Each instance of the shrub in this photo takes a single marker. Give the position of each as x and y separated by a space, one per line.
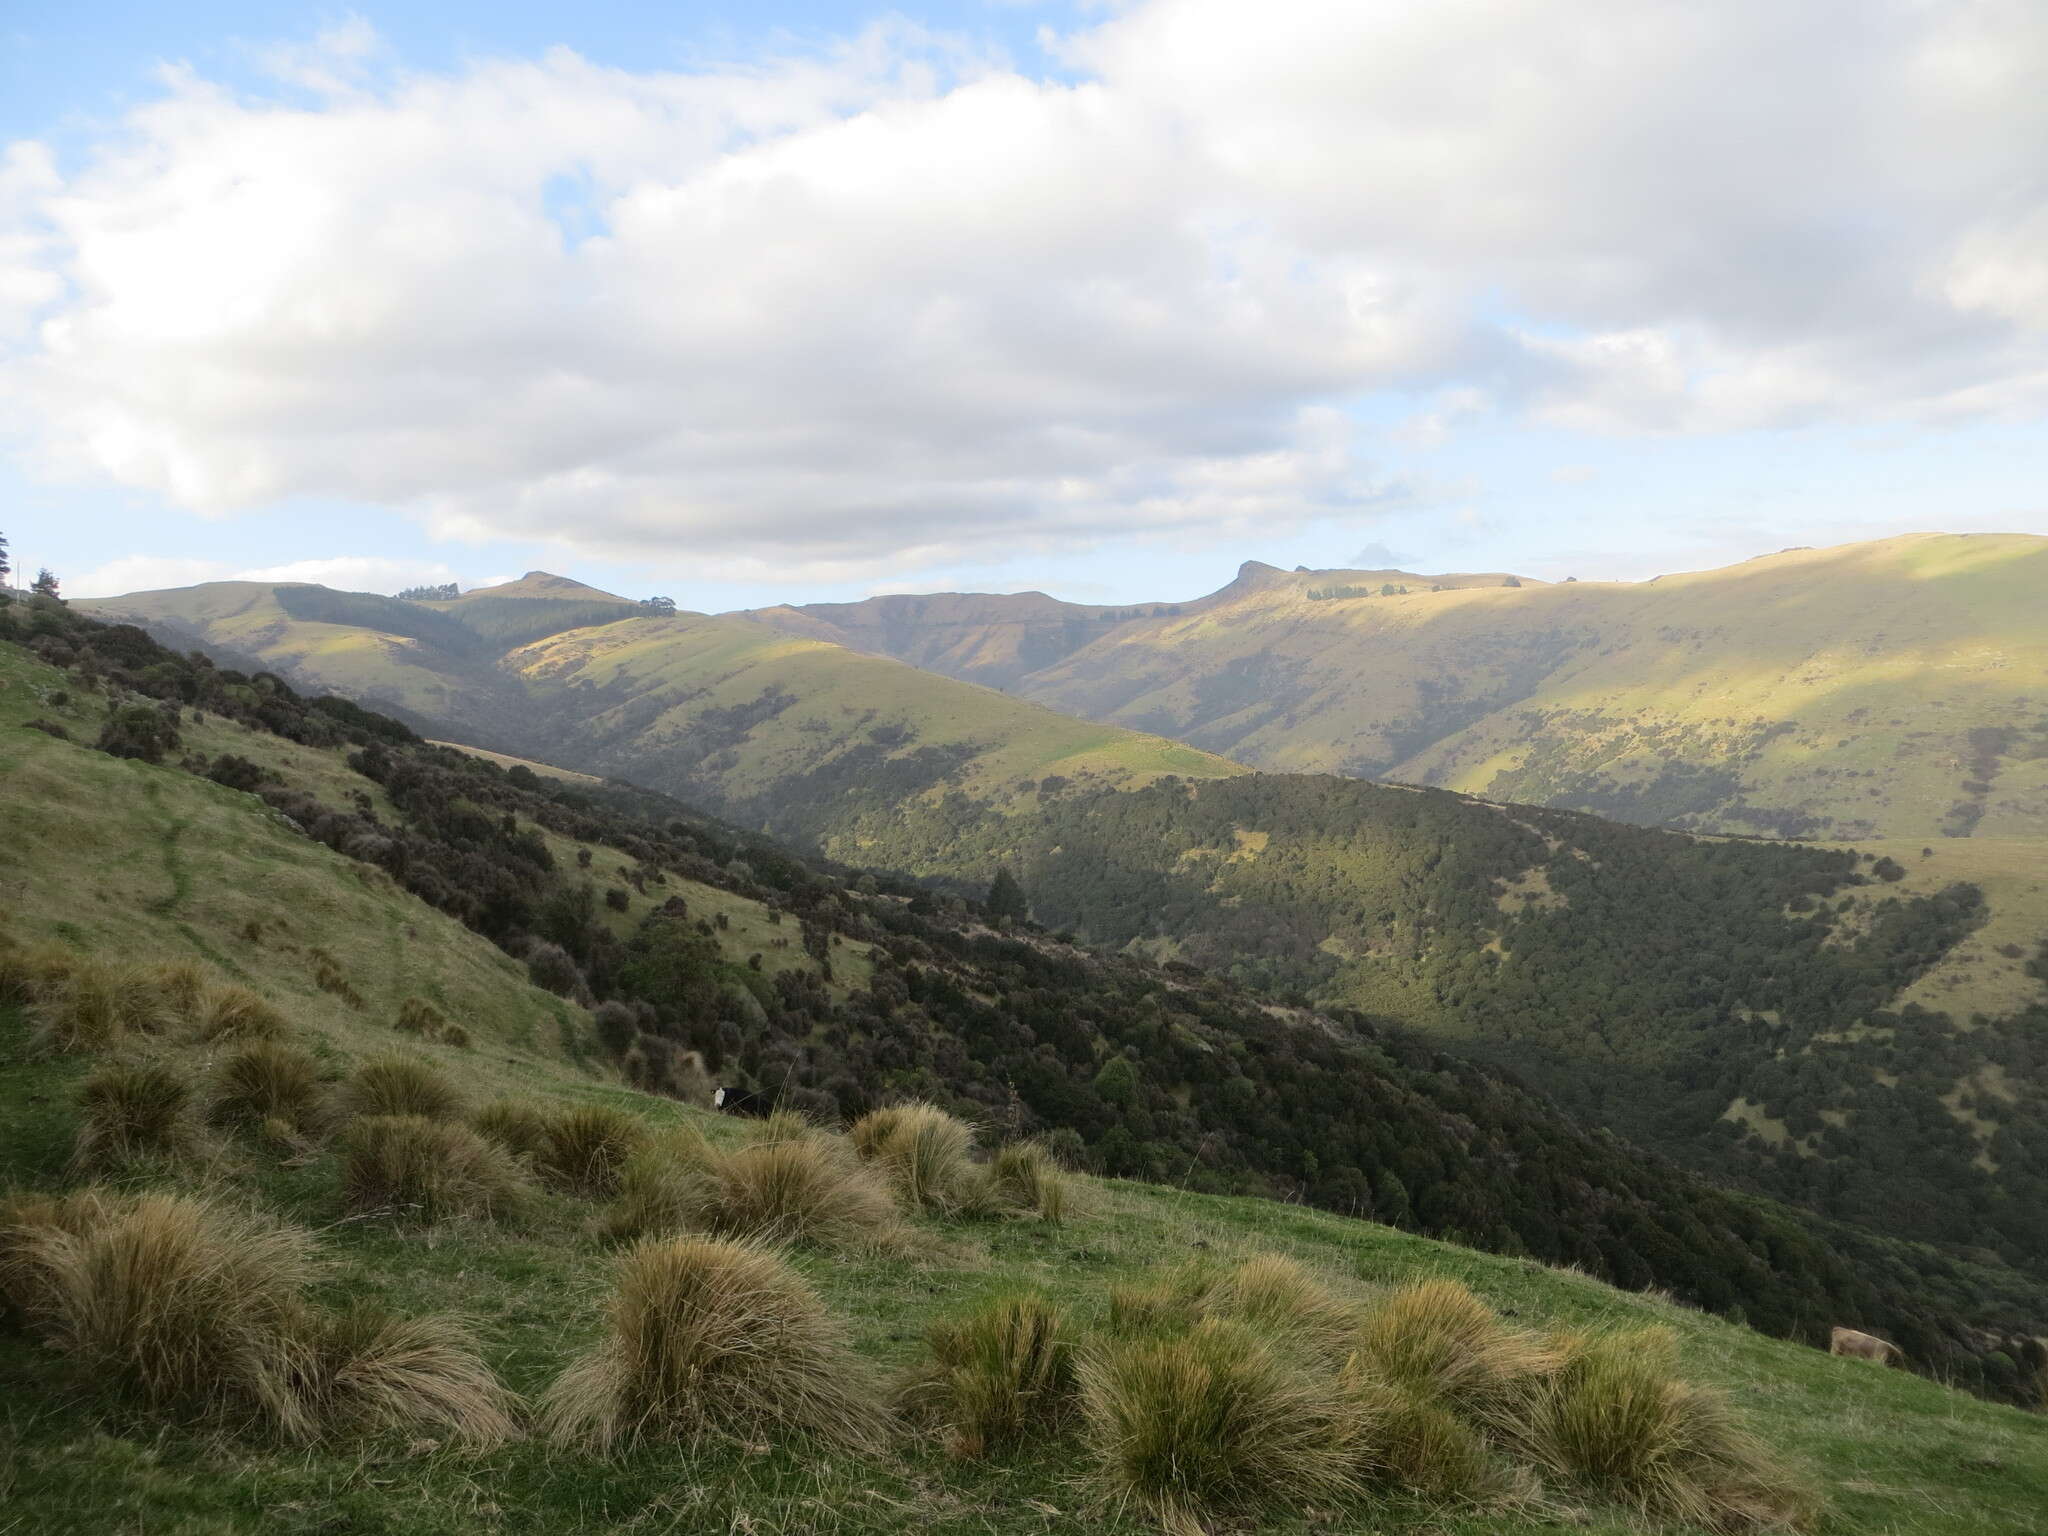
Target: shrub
1214 1421
1616 1419
403 1085
710 1336
617 1025
998 1376
586 1147
923 1150
1436 1339
520 1126
1027 1178
658 1186
267 1081
549 967
129 1110
184 1302
96 1005
416 1169
235 1013
801 1189
367 1370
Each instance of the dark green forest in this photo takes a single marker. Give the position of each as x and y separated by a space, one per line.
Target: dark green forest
1173 1072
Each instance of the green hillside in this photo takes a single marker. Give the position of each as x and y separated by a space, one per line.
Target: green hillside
1896 689
121 863
804 738
712 951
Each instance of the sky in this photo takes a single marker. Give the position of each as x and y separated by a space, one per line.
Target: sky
749 303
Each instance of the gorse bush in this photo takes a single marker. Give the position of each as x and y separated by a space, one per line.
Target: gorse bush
415 1169
584 1149
997 1377
708 1336
1215 1421
129 1110
267 1081
403 1085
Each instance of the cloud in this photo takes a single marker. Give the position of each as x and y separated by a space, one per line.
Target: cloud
895 304
1379 557
150 573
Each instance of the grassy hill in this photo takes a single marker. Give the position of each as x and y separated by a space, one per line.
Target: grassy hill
128 863
714 951
807 739
1896 689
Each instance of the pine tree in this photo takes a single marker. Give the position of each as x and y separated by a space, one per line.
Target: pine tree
1006 897
5 567
46 584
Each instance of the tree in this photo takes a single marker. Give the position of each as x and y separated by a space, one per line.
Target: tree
46 584
1006 897
5 567
1512 581
660 607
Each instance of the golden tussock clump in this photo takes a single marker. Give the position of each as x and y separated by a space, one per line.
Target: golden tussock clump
403 1085
130 1110
710 1336
997 1377
414 1169
267 1081
96 1005
235 1013
584 1149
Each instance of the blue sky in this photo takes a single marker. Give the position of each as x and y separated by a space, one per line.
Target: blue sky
750 304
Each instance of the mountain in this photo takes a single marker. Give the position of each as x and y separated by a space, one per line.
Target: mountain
357 877
800 736
1896 689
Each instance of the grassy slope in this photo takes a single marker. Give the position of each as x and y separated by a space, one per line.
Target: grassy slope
658 680
152 863
1882 657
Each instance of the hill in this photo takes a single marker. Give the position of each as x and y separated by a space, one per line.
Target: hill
838 996
1885 690
124 862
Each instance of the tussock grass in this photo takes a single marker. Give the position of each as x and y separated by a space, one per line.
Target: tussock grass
1410 1442
802 1189
367 1370
584 1149
1027 1177
709 1336
520 1126
186 1303
235 1013
925 1153
1170 1304
403 1085
1436 1339
1617 1420
1214 1422
415 1169
267 1081
998 1377
181 983
25 1217
417 1016
29 973
97 1005
130 1110
658 1187
1287 1300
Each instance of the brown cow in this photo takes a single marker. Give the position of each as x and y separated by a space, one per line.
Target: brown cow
1863 1346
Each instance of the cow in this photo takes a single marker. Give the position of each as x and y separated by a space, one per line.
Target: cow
743 1101
1863 1346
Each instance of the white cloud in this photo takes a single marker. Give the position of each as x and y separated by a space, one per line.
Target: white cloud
899 305
150 573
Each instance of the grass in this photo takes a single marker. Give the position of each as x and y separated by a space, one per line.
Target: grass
402 1085
708 1336
585 1148
129 1110
268 1081
803 1188
413 1169
998 1377
924 1152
